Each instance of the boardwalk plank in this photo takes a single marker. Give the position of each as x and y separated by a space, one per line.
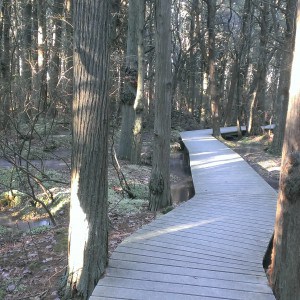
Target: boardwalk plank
210 247
188 280
181 256
204 290
169 261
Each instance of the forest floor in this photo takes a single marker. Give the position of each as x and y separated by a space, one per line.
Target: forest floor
33 257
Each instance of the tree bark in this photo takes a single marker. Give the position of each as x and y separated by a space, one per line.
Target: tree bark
135 155
257 98
69 54
55 65
245 45
214 101
159 185
88 229
27 60
285 76
231 93
5 66
39 82
285 266
130 84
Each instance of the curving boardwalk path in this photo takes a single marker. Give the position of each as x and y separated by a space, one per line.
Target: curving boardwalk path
210 247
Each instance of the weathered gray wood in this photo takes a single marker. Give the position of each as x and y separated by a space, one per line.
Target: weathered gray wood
185 289
210 247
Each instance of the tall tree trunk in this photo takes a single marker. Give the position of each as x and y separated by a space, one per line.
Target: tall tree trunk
39 80
55 66
138 107
130 85
88 229
193 61
243 61
5 66
214 101
285 265
257 99
232 92
285 76
159 185
43 54
69 51
27 59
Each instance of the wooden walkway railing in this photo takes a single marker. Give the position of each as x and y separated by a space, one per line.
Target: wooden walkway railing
210 247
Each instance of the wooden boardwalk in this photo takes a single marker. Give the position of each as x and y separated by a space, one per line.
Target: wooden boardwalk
210 247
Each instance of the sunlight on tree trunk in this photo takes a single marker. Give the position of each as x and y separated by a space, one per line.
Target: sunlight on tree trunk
139 104
285 265
88 213
130 84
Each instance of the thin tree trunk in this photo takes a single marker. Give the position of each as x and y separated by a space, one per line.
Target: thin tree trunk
139 102
193 61
27 60
55 66
5 66
257 99
214 101
231 93
243 62
69 52
43 54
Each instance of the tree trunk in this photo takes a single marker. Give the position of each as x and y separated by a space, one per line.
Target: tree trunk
130 84
231 93
214 101
69 54
159 185
27 60
285 265
43 53
285 77
193 59
5 66
55 65
243 61
88 236
135 156
257 103
39 82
